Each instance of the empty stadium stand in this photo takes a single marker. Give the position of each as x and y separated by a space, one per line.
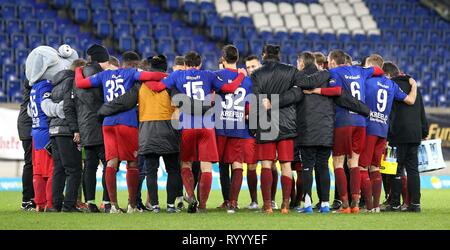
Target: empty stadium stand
403 31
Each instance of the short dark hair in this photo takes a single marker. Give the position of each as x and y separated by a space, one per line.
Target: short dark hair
391 69
271 52
158 63
179 61
192 59
307 58
251 57
338 56
230 54
130 56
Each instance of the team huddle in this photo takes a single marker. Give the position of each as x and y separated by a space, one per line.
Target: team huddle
192 118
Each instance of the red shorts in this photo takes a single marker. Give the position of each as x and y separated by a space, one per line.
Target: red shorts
348 139
199 145
42 162
371 154
120 142
282 150
233 149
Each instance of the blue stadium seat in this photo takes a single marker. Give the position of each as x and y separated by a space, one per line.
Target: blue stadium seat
195 18
123 29
126 44
13 26
207 6
146 45
165 44
233 32
48 26
242 45
104 29
70 40
184 45
162 30
18 40
26 11
101 14
190 6
9 71
82 14
120 15
256 45
172 4
217 32
6 56
60 3
35 40
53 40
140 15
142 29
9 11
21 55
31 26
95 4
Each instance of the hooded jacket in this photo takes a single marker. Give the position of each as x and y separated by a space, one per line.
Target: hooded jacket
62 88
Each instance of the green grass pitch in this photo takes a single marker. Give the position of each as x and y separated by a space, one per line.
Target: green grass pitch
435 215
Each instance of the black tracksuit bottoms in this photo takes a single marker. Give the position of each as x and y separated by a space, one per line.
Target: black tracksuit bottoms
316 157
94 155
66 171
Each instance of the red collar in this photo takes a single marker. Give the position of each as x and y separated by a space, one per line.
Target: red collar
234 70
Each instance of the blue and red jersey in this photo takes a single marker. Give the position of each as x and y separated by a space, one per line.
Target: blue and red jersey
230 113
39 130
380 95
197 84
351 79
115 83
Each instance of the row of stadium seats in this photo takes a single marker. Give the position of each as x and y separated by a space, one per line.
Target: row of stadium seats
141 26
420 48
24 25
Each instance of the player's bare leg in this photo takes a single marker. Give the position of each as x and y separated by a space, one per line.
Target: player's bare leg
252 182
341 182
111 183
204 184
236 183
286 185
132 184
188 183
355 181
376 182
266 185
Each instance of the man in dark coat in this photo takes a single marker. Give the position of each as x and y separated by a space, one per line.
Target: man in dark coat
275 137
24 129
87 103
408 127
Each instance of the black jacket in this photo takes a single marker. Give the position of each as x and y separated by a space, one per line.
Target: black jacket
24 121
62 89
87 103
408 123
316 113
277 78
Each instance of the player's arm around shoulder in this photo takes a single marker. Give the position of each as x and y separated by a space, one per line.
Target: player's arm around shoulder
411 98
